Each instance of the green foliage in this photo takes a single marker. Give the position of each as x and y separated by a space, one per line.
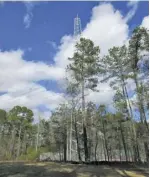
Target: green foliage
32 154
139 42
3 116
85 63
8 156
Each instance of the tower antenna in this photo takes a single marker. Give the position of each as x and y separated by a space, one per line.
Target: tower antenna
77 26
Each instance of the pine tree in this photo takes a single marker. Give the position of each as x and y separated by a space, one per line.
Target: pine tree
84 68
138 45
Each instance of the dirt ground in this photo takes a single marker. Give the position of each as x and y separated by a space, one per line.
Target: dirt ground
50 169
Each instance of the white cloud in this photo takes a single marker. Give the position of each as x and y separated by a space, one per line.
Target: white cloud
107 28
18 70
104 96
29 15
35 96
131 13
30 95
41 115
65 50
145 22
130 85
17 79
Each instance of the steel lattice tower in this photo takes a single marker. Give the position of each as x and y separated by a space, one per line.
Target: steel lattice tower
73 155
77 26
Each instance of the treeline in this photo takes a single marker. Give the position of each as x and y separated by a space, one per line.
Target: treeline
79 130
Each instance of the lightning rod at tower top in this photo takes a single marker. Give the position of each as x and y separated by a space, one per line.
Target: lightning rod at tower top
77 26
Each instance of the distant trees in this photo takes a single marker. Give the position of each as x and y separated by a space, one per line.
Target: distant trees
15 129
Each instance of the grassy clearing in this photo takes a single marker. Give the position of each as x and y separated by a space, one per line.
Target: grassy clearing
50 169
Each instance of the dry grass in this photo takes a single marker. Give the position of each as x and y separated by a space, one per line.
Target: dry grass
50 169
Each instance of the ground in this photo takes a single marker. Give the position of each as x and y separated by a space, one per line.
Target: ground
51 169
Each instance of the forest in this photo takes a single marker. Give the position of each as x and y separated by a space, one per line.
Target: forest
80 130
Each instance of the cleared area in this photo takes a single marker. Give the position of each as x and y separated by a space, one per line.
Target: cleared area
50 169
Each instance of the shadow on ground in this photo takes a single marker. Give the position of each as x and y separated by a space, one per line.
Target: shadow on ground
18 169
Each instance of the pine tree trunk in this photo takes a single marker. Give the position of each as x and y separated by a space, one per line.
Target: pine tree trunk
37 137
70 145
119 141
25 143
105 141
84 125
65 147
96 146
146 151
123 141
104 148
142 114
18 149
1 133
12 142
59 153
77 139
132 128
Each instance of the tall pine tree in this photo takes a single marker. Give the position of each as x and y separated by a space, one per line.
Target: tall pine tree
84 68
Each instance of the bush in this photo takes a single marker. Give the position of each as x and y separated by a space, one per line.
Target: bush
32 154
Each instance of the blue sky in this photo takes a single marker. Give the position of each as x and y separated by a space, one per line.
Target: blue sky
50 21
32 37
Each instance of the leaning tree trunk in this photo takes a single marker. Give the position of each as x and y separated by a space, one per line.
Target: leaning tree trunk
142 115
130 113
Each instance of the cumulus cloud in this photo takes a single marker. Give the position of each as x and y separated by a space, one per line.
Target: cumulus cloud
18 70
18 79
107 28
104 96
31 96
145 22
40 115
